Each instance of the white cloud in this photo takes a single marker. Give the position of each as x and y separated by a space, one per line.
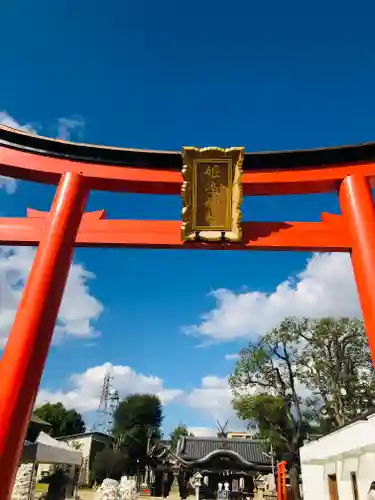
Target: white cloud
231 357
324 288
79 309
69 127
214 398
7 120
7 183
85 388
203 431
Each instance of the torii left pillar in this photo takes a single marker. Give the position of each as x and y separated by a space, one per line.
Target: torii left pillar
25 354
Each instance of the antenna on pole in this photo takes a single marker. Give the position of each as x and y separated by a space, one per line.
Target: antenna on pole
109 400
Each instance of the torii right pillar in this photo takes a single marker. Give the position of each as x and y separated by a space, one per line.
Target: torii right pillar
358 209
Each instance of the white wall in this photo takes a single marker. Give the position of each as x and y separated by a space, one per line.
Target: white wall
85 448
83 442
340 453
312 483
85 445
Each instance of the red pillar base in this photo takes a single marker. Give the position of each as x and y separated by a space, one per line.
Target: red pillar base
22 364
281 481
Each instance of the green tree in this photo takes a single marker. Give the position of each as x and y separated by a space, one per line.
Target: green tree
304 376
63 422
269 416
179 432
137 422
335 363
109 464
265 389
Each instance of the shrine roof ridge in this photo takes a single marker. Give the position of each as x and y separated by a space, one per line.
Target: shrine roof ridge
201 448
172 160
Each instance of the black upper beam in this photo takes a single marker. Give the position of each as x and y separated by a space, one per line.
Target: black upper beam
172 160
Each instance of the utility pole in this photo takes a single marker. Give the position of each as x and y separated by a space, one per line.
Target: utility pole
271 455
147 469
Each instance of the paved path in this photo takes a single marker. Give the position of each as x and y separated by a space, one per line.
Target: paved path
90 495
83 495
87 495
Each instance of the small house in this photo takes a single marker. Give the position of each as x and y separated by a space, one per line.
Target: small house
89 443
340 465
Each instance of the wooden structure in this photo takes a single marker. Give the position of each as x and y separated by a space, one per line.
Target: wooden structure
76 169
216 459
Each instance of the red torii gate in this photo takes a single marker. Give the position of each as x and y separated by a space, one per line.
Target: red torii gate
281 489
77 168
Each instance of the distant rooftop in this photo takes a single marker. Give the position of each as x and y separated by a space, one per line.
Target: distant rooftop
85 434
193 448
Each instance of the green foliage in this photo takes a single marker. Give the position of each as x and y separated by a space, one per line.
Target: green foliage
268 414
304 376
109 464
63 422
335 363
265 388
137 423
179 432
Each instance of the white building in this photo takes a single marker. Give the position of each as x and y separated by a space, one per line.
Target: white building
340 465
89 443
240 435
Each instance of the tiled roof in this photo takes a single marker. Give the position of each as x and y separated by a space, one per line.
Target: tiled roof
36 420
192 448
84 434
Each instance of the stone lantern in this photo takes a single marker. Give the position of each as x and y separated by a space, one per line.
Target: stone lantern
197 483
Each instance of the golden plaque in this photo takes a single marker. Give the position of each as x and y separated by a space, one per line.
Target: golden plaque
212 194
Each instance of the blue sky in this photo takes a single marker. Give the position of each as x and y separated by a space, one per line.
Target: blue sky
160 75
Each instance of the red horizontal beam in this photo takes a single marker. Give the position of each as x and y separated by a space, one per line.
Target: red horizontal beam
35 167
328 235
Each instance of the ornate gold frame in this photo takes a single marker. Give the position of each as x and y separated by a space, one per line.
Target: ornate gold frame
191 158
